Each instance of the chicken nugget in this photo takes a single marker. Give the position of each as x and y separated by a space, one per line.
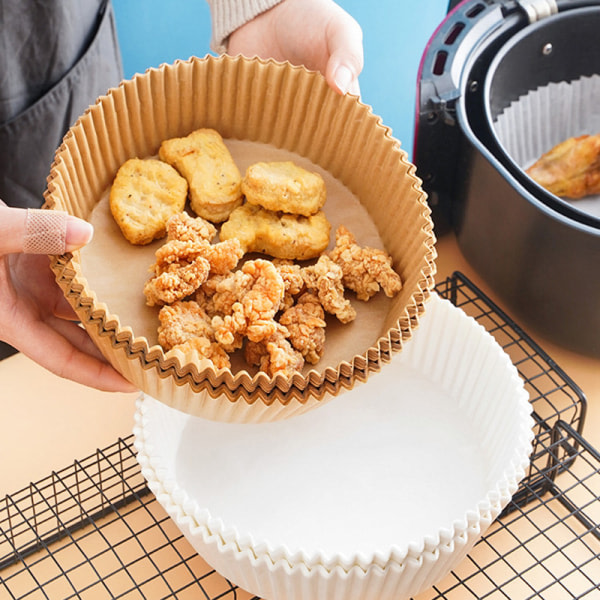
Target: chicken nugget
277 234
144 195
215 182
284 186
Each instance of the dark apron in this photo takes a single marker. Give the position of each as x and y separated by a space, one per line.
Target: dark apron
56 58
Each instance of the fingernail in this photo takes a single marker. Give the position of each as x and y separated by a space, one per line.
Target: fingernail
78 233
343 78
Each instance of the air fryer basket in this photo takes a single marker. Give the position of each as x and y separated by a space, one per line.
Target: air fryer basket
543 54
540 254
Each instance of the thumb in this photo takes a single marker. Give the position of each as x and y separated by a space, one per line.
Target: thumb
344 39
37 231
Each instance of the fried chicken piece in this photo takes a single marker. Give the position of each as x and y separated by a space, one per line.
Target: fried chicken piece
175 253
186 326
259 290
570 169
274 355
324 279
181 267
182 322
206 295
364 269
264 299
186 228
306 326
226 290
230 328
222 257
176 282
207 349
291 274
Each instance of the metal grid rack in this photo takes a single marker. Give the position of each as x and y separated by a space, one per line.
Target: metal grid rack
93 530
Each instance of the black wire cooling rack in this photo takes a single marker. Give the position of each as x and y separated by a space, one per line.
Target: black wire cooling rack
93 530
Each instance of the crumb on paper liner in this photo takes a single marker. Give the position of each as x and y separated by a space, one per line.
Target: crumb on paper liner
134 118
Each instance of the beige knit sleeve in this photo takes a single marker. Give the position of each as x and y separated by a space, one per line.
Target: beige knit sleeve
228 15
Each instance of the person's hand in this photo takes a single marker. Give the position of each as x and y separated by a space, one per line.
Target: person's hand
35 317
318 34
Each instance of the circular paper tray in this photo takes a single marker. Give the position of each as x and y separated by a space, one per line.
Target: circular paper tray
377 495
284 108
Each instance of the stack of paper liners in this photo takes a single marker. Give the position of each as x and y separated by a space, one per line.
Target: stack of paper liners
266 102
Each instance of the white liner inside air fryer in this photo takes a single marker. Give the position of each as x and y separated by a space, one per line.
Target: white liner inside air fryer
414 465
547 116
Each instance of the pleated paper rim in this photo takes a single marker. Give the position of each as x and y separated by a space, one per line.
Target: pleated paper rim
243 386
463 532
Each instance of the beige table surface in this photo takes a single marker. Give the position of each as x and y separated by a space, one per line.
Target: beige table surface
47 422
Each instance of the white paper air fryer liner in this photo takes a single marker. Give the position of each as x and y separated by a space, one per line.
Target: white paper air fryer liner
547 116
377 495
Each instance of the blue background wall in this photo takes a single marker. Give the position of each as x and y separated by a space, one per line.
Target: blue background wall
395 32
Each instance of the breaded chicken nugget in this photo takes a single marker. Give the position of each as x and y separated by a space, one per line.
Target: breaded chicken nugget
284 186
214 180
277 234
144 195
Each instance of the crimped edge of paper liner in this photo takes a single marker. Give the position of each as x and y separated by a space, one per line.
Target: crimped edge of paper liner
224 545
316 384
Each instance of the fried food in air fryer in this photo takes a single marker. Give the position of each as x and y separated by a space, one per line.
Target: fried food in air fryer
570 169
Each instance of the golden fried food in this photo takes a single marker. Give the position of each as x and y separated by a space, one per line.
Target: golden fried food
365 270
571 169
207 349
212 304
305 322
218 294
181 322
277 234
230 329
215 183
284 186
143 196
257 301
324 279
176 281
181 267
274 355
186 228
293 281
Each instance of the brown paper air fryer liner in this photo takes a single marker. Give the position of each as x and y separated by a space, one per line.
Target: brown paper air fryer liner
547 116
264 110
